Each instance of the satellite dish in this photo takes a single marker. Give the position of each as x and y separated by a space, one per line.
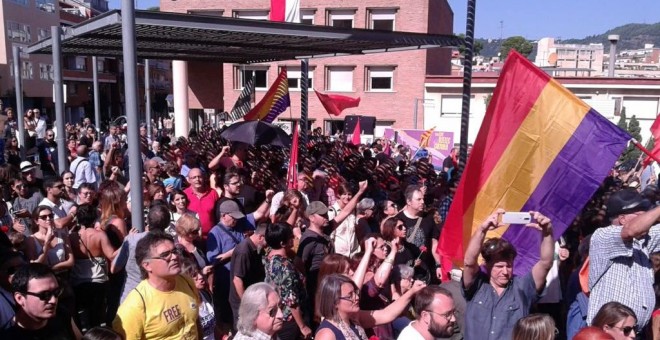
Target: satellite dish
552 59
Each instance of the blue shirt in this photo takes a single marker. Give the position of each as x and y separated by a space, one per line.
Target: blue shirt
489 316
222 239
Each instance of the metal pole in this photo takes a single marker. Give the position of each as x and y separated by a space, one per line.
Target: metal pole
132 116
18 85
147 95
97 100
304 91
55 33
467 83
415 114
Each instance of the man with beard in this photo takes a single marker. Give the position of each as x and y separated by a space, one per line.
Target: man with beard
36 292
246 267
436 315
165 305
65 212
48 155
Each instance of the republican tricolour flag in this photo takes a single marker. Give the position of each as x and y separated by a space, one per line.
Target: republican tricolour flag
539 148
285 10
275 101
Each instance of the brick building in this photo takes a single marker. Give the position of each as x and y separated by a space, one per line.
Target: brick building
390 85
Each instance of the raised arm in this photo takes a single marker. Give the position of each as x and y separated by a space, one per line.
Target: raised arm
640 225
264 208
350 206
470 263
361 270
215 162
547 254
369 319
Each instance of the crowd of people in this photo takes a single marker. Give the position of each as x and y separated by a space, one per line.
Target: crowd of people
230 251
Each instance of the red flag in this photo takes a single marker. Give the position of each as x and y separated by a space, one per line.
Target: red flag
335 104
292 174
356 134
285 10
655 128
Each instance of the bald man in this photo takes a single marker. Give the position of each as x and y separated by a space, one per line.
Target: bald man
82 169
202 199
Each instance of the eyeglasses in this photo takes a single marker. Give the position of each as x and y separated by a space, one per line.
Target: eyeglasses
19 186
447 315
45 296
626 330
353 296
167 255
393 206
46 217
400 226
86 193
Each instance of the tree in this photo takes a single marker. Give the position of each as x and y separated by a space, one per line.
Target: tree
476 47
632 153
517 43
623 124
154 9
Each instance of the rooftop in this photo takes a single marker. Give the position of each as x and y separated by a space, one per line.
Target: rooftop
176 36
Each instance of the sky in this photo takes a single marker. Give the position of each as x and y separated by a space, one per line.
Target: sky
536 19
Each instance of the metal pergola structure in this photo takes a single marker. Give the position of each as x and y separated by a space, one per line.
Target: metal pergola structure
131 34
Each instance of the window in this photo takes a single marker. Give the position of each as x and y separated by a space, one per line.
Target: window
43 34
20 2
18 32
252 15
209 12
451 105
340 78
382 19
100 65
380 78
46 72
294 75
341 18
75 63
46 5
307 16
241 73
26 70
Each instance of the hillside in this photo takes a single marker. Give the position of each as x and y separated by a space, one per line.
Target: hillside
631 36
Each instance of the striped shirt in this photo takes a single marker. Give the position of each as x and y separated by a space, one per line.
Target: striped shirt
621 271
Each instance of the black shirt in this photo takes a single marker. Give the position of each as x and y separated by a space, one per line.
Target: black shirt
246 264
57 328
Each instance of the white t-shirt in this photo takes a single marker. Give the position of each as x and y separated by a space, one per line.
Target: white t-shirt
409 333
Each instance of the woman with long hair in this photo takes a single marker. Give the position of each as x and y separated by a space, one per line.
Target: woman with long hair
406 252
178 207
155 191
92 252
617 320
13 153
337 302
114 214
68 179
535 327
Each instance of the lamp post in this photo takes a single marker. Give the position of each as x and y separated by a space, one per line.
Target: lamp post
467 83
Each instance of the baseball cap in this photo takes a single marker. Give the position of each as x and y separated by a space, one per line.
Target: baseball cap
26 166
626 201
316 207
232 209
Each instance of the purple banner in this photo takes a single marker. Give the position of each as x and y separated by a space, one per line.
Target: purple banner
440 143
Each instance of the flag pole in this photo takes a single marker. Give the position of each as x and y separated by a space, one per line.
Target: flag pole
644 150
467 83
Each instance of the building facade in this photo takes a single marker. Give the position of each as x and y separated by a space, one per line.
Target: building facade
608 96
569 60
390 85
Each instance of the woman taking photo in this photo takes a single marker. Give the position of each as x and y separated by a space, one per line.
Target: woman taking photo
337 301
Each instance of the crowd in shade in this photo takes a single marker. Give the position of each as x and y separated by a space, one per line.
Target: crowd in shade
346 250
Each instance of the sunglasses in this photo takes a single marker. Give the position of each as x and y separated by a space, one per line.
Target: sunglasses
46 217
45 296
626 330
400 226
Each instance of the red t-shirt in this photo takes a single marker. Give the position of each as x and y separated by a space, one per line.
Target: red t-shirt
203 206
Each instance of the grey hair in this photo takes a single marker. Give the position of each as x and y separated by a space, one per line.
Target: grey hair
365 204
254 299
402 271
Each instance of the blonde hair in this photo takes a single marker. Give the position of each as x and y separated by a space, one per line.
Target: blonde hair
186 223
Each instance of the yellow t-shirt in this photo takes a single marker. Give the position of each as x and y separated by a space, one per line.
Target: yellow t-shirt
159 315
